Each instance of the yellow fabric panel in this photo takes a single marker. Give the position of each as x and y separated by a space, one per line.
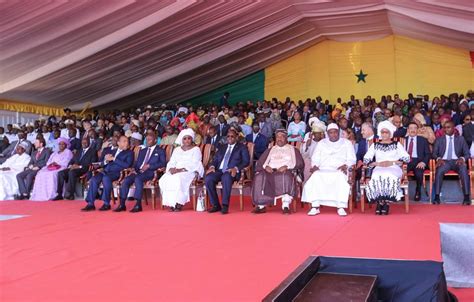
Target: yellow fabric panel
300 76
374 58
393 64
31 108
427 68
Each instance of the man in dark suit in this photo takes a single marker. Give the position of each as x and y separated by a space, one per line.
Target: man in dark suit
265 127
74 142
260 141
222 127
468 129
78 166
227 164
305 114
451 153
213 137
149 160
114 164
39 158
419 151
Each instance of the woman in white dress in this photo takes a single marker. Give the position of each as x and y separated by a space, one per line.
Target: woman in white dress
10 168
384 185
296 129
185 163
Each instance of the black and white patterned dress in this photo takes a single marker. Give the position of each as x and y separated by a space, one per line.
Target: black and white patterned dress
384 184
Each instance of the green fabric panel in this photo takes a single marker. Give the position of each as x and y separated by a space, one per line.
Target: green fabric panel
252 87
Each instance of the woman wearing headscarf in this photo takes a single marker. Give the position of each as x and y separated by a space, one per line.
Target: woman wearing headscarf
384 185
423 129
46 180
182 168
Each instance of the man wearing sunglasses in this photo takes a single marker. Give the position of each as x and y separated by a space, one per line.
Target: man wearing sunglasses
228 162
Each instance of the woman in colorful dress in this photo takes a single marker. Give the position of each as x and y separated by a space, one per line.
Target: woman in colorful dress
46 181
296 129
384 185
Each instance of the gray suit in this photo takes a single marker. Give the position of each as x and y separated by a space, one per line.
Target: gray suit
26 178
11 150
461 149
266 129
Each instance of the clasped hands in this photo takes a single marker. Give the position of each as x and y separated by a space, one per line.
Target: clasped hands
342 168
281 169
232 171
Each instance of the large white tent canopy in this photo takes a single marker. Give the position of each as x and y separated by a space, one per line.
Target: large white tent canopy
123 53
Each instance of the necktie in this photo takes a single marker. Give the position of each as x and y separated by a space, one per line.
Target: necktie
82 154
254 138
38 155
226 158
450 149
213 140
147 156
410 147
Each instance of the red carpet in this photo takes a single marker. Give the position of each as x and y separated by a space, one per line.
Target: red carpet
61 254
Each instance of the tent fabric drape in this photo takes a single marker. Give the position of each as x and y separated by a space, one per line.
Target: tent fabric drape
123 53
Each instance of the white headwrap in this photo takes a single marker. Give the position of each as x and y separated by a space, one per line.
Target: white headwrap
182 134
318 126
388 126
332 126
137 136
24 145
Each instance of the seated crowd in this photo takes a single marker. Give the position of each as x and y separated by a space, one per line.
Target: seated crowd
305 149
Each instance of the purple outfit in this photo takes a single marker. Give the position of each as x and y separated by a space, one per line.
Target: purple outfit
46 181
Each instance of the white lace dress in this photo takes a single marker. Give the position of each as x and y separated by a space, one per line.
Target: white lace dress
384 184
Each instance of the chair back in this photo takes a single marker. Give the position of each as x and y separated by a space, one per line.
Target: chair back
250 147
169 151
206 154
136 150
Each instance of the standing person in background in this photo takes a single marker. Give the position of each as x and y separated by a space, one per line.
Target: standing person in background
224 101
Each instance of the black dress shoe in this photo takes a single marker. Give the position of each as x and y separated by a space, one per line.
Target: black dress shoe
136 209
225 210
214 209
286 211
120 208
59 197
259 210
417 196
88 208
436 200
466 202
378 209
105 207
385 209
69 197
178 207
18 197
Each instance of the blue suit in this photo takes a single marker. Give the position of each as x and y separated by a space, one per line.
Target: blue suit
157 160
111 173
260 144
239 158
